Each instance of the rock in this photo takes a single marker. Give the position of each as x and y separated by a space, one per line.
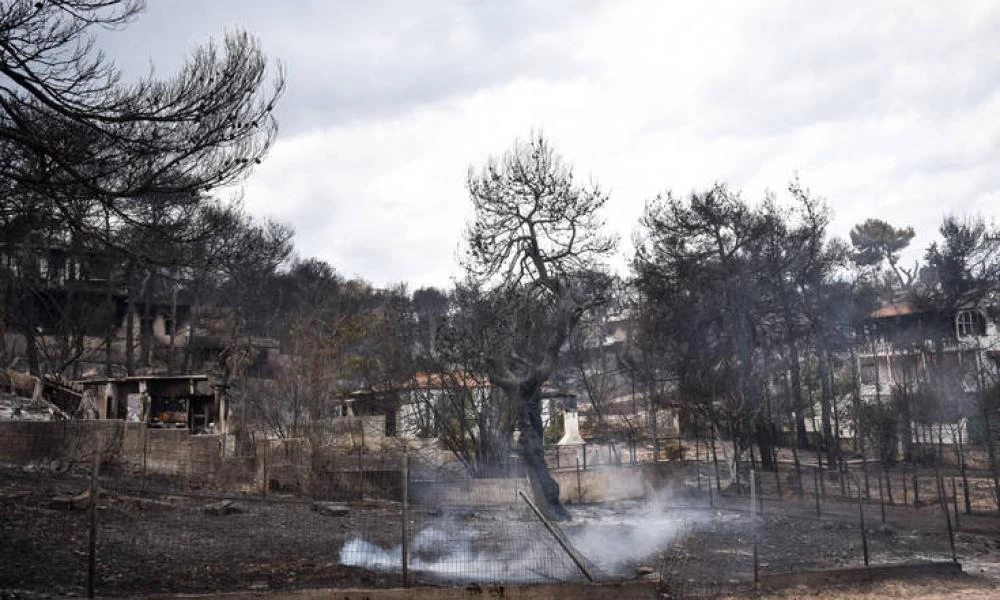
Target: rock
331 509
15 495
644 570
223 507
77 502
150 505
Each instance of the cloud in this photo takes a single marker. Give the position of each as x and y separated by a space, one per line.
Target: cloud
887 109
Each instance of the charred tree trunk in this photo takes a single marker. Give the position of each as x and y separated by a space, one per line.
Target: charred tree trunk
859 442
826 404
31 339
112 324
173 329
905 412
130 322
146 322
795 368
529 419
26 297
765 441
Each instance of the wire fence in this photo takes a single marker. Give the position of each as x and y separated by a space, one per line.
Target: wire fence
269 515
360 517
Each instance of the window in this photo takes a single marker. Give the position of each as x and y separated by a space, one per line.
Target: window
970 323
168 325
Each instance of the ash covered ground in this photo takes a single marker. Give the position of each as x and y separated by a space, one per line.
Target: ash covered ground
162 543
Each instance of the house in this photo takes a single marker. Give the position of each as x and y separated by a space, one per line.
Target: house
167 401
938 361
409 407
412 408
24 396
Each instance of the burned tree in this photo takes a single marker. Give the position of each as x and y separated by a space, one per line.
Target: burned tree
698 266
534 251
73 131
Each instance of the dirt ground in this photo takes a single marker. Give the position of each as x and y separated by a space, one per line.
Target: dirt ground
918 588
170 544
162 543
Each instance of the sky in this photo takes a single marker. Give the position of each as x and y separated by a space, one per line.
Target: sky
886 109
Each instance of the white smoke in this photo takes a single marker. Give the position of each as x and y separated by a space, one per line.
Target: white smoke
447 552
616 537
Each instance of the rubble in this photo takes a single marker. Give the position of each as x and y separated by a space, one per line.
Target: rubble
331 509
77 502
223 507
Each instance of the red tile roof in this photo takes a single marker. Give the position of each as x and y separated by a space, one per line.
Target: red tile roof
897 309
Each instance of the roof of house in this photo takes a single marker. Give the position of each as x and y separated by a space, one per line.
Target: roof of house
430 381
142 378
895 309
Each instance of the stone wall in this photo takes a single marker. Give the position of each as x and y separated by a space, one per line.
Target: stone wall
128 446
612 483
27 442
468 492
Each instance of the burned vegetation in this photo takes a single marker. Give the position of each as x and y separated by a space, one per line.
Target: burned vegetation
187 404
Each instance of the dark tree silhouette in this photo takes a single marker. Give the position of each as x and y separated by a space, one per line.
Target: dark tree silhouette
71 128
534 251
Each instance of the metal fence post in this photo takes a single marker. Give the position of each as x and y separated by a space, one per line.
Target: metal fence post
361 468
819 468
267 459
888 487
404 546
861 522
816 491
579 486
759 488
94 492
947 517
864 471
145 453
563 543
697 455
753 524
906 500
881 498
954 499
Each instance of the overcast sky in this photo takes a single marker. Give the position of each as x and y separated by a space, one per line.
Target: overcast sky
887 109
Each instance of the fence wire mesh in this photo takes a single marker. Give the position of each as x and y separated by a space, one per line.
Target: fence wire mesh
267 514
278 517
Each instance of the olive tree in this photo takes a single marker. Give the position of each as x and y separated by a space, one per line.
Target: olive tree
534 254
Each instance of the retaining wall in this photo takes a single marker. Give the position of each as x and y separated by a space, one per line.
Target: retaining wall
612 483
167 452
467 492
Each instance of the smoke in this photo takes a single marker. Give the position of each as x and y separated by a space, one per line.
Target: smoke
617 540
448 551
516 548
620 536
